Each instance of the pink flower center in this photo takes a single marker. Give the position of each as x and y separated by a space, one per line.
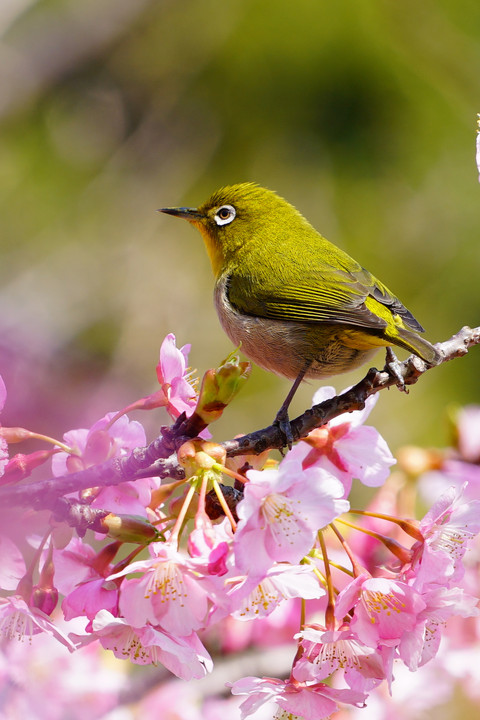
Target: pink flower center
322 441
377 603
167 580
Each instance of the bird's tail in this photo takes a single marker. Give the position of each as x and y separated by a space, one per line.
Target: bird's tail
418 345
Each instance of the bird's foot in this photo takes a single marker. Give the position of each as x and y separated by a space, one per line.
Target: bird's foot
281 418
283 422
393 367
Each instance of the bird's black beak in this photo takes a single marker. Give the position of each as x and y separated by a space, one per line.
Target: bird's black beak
191 214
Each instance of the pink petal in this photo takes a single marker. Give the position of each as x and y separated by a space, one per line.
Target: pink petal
172 360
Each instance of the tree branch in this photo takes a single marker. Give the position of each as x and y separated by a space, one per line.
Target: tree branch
158 459
354 399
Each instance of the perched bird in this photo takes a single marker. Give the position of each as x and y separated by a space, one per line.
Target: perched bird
299 305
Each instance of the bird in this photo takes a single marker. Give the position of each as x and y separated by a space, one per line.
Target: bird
297 304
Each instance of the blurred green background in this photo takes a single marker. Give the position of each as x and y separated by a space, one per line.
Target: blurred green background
361 114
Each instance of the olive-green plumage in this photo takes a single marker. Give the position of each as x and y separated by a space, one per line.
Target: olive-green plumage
298 304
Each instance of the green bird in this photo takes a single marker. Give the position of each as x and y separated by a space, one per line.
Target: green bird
298 305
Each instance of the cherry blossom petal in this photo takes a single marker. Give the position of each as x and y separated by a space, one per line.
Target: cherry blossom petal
186 657
12 567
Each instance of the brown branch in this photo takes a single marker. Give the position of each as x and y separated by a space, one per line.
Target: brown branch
79 515
155 460
159 458
354 399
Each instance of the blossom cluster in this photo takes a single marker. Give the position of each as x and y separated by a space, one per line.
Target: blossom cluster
175 567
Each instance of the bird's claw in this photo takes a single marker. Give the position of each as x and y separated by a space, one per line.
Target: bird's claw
393 367
283 422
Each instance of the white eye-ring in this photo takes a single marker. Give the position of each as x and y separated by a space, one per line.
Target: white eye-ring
225 215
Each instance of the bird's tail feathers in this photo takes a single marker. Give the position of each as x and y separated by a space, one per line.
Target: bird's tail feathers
419 346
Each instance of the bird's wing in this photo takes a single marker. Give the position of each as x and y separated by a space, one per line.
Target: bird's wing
327 295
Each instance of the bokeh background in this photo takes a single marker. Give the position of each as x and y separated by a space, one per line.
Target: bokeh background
361 114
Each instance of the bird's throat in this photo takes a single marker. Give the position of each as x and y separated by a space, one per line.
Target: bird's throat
214 249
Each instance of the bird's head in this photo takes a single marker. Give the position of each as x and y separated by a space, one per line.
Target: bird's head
236 219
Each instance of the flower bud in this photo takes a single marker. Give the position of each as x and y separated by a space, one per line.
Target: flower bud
45 599
21 466
129 528
197 455
219 387
15 434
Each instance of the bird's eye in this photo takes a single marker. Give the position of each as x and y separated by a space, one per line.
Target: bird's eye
225 215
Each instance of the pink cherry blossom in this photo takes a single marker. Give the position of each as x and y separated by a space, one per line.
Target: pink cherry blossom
277 628
74 564
383 609
100 443
413 696
421 644
217 559
325 651
185 656
346 447
173 377
19 621
447 527
281 513
311 702
250 599
277 567
80 574
90 597
169 593
210 545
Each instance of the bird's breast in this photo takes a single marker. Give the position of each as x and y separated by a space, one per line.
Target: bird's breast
286 347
